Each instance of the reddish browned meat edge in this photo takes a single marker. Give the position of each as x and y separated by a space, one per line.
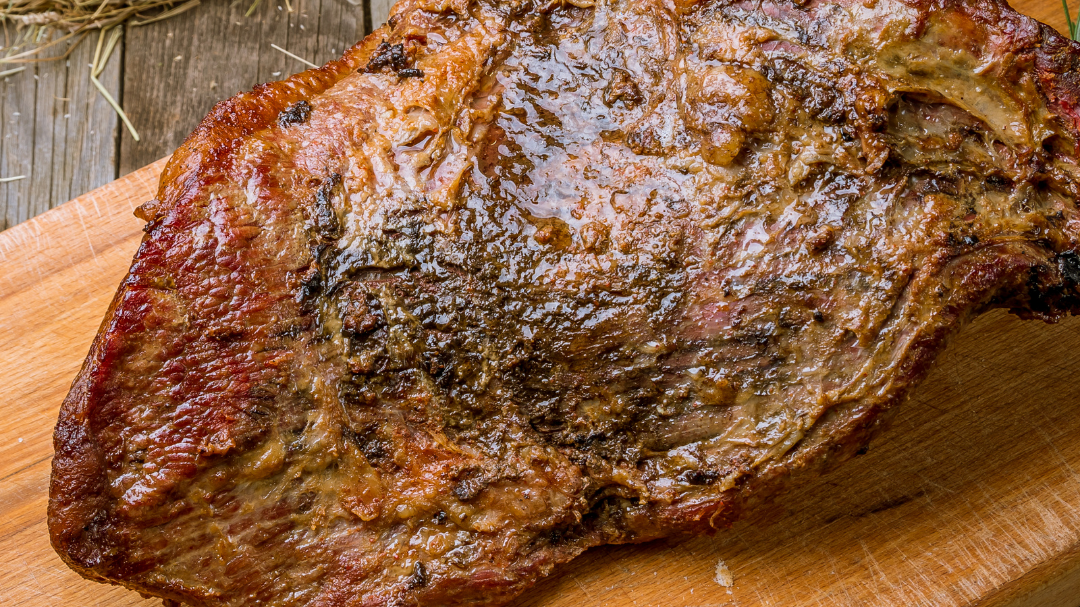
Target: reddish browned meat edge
78 479
77 488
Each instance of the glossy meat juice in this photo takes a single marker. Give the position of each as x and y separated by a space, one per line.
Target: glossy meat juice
513 280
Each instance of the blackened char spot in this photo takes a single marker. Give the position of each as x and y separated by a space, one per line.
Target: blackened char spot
555 536
590 440
325 218
1069 265
306 501
470 483
297 113
440 367
374 449
816 92
361 316
419 576
392 56
699 477
410 72
310 287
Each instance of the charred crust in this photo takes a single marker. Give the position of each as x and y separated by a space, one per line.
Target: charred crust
1068 263
419 577
375 449
387 56
83 537
440 367
297 113
362 315
470 482
698 477
311 283
396 58
325 216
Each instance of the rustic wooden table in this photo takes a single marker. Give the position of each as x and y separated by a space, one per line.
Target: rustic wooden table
58 132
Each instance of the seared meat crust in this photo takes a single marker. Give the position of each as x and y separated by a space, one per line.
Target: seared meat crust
514 279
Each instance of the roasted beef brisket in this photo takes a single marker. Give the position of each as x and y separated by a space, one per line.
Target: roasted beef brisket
514 279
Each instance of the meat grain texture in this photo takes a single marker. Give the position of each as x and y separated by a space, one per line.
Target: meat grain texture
511 280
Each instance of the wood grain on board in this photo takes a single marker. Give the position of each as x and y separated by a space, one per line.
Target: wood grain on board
972 498
58 272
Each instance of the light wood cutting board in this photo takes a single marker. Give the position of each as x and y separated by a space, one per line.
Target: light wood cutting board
972 498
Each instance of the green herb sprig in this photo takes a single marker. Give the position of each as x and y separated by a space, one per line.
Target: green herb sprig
1074 26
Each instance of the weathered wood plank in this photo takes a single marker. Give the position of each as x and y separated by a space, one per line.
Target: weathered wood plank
17 145
340 26
380 9
58 131
184 66
89 152
187 64
50 129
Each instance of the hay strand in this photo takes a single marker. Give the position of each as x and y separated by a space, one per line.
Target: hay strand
100 60
43 24
298 58
183 8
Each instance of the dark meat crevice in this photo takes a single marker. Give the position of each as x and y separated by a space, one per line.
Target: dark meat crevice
511 281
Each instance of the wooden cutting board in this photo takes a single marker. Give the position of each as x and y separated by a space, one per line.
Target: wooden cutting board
972 498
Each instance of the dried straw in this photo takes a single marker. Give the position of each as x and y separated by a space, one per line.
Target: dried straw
1074 26
42 24
100 60
298 58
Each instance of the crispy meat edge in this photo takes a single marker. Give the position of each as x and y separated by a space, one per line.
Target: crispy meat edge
78 472
77 489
